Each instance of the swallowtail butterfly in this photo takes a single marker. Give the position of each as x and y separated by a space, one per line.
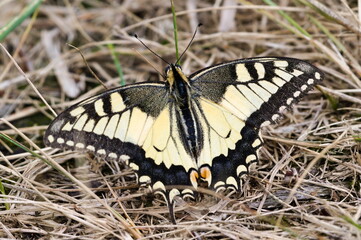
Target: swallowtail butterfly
186 130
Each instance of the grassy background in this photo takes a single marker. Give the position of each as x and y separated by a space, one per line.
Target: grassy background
307 183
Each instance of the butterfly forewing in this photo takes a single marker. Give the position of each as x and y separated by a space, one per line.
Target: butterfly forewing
122 113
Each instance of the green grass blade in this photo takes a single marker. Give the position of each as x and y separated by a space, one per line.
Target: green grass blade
3 192
118 66
352 222
334 102
16 143
9 27
328 34
175 30
289 19
357 138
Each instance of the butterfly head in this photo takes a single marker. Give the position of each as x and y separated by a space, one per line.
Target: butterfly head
178 83
174 75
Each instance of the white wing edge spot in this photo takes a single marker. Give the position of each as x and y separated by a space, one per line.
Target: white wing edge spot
188 193
125 158
303 87
310 81
219 184
90 148
112 155
266 123
257 142
275 117
289 101
250 158
173 193
51 138
241 169
101 151
70 143
134 166
144 179
282 108
220 188
296 94
60 140
318 75
231 181
159 186
79 145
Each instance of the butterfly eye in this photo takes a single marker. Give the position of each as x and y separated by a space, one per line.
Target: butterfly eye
167 69
178 66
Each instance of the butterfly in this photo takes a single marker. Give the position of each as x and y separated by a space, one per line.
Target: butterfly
187 131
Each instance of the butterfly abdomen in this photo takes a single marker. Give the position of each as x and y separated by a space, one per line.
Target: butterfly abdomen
186 117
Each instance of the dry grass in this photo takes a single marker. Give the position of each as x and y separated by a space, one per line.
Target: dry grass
306 185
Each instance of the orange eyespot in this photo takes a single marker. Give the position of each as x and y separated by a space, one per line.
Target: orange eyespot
206 174
194 178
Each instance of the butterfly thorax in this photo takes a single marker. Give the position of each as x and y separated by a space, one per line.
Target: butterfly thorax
178 83
184 109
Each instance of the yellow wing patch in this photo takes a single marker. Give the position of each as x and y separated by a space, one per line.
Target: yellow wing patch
235 102
242 73
100 126
77 111
99 107
161 130
163 143
221 131
135 126
89 126
81 122
122 126
117 103
112 126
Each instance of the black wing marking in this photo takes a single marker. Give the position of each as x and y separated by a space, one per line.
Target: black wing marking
255 91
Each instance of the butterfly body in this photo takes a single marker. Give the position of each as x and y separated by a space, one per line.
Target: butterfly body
182 99
187 130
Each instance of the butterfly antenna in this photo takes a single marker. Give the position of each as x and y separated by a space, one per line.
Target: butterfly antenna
164 77
190 42
87 65
136 36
